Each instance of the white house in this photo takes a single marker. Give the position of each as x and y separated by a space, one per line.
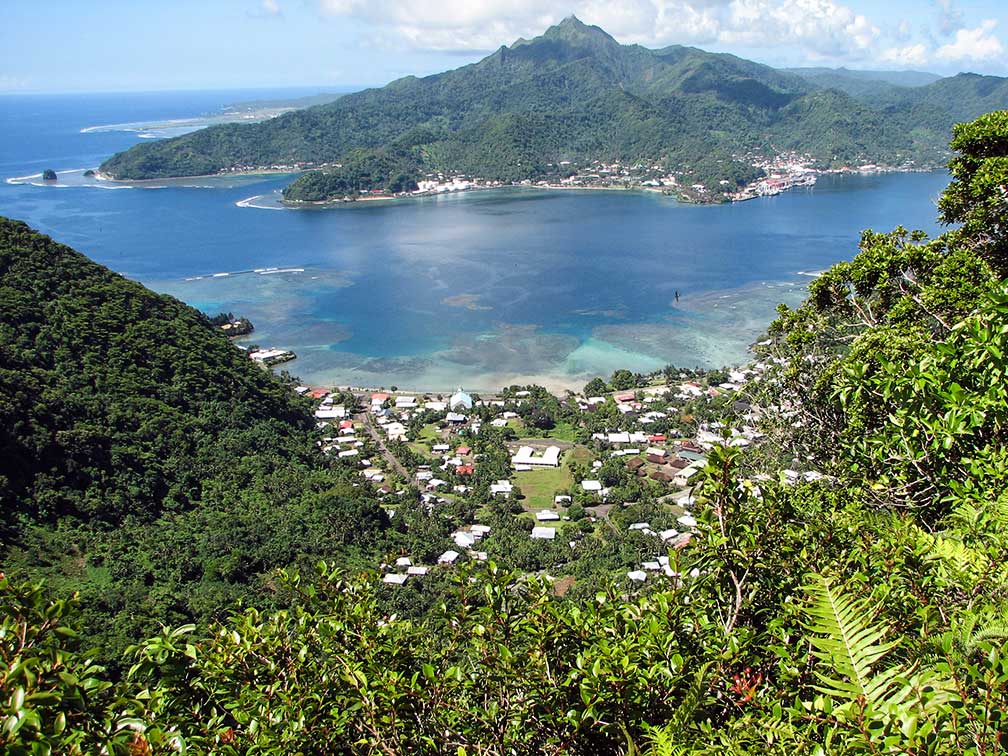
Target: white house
543 534
331 413
501 487
527 456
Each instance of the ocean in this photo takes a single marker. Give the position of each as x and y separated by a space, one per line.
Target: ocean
479 290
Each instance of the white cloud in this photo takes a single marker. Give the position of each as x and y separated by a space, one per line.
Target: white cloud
824 30
820 28
979 45
909 55
271 7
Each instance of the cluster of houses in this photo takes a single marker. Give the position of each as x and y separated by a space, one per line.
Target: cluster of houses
646 453
465 539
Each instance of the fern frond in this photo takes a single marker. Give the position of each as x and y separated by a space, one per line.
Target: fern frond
845 641
668 740
954 553
994 629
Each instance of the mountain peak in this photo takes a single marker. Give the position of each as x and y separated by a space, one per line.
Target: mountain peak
572 29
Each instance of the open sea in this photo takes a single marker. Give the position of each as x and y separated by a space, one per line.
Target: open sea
480 290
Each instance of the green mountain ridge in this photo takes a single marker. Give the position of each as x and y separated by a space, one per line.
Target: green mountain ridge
575 94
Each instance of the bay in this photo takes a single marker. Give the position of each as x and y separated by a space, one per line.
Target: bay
479 289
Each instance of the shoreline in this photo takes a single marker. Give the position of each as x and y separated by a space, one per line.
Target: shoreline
308 204
99 176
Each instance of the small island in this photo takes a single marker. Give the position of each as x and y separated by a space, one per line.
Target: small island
49 175
232 326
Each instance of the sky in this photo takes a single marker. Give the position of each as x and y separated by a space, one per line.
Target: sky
145 45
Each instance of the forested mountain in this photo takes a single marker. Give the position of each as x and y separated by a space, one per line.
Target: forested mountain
145 461
574 94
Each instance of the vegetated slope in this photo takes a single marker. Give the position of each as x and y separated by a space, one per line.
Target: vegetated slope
573 94
118 400
864 84
144 459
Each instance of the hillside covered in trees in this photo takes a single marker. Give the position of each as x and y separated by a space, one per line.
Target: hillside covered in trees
145 461
859 610
574 95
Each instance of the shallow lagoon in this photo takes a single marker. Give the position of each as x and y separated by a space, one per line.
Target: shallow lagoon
480 289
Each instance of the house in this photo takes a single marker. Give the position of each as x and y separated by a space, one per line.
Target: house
527 456
501 487
405 402
638 576
465 470
682 477
463 451
454 417
625 396
403 562
547 515
395 579
634 464
561 499
543 534
395 431
418 570
448 557
331 413
591 486
316 394
463 540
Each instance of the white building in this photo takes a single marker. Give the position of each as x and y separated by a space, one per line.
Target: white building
527 456
460 400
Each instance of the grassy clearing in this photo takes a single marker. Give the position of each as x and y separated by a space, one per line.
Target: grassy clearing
540 486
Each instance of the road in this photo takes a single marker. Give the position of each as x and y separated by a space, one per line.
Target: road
390 458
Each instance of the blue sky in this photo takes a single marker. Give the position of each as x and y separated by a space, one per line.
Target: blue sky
103 45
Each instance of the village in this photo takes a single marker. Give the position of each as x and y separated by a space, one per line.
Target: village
539 481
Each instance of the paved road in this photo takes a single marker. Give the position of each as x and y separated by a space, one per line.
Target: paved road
394 464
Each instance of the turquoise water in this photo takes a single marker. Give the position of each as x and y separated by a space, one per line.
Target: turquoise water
480 289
